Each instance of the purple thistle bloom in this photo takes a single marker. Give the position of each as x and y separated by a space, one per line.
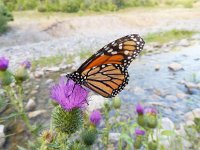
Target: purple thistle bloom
69 95
95 117
150 111
139 132
26 64
3 63
140 109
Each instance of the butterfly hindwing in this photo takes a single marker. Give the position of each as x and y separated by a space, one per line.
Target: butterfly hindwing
107 80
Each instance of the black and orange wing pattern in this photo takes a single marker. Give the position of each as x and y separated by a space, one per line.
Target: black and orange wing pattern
106 71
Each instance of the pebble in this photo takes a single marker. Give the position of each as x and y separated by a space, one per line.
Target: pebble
33 92
52 69
2 135
167 124
31 105
189 116
49 81
36 113
181 95
157 67
96 102
175 66
114 137
171 98
184 42
38 74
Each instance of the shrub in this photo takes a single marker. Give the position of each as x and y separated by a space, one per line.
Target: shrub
5 16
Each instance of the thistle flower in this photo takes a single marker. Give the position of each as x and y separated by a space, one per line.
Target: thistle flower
95 117
26 64
139 109
3 63
69 94
139 132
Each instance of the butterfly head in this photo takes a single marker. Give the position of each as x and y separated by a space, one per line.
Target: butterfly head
76 77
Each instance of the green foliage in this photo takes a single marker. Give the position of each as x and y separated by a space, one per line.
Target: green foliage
168 36
91 5
5 16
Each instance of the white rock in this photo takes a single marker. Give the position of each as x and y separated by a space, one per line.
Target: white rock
96 102
36 113
157 67
49 81
171 98
167 124
38 74
2 135
114 137
52 69
31 105
181 95
189 116
175 66
184 42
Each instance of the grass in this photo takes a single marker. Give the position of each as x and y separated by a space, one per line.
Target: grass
171 35
58 59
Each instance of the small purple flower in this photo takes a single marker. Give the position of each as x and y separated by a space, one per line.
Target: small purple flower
140 109
95 117
3 63
69 94
139 132
150 111
26 64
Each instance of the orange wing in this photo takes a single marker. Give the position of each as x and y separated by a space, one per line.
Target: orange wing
121 51
107 80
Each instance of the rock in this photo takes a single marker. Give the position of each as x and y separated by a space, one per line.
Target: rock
171 98
36 113
167 124
96 102
33 92
157 67
184 42
181 95
189 116
31 105
114 137
2 135
52 69
49 81
38 74
175 66
160 104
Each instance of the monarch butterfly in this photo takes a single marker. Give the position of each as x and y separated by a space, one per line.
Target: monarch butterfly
106 72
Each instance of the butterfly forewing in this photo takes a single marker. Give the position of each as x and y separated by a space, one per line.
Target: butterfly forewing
121 51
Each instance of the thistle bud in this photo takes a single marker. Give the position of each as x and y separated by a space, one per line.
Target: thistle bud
153 145
141 120
151 117
89 136
67 121
116 103
21 74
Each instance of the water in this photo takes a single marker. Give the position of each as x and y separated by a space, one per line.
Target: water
143 75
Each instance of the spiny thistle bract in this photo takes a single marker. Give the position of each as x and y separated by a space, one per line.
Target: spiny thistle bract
67 121
89 136
78 146
6 78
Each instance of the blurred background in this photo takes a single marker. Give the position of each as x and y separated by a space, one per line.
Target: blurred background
58 35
